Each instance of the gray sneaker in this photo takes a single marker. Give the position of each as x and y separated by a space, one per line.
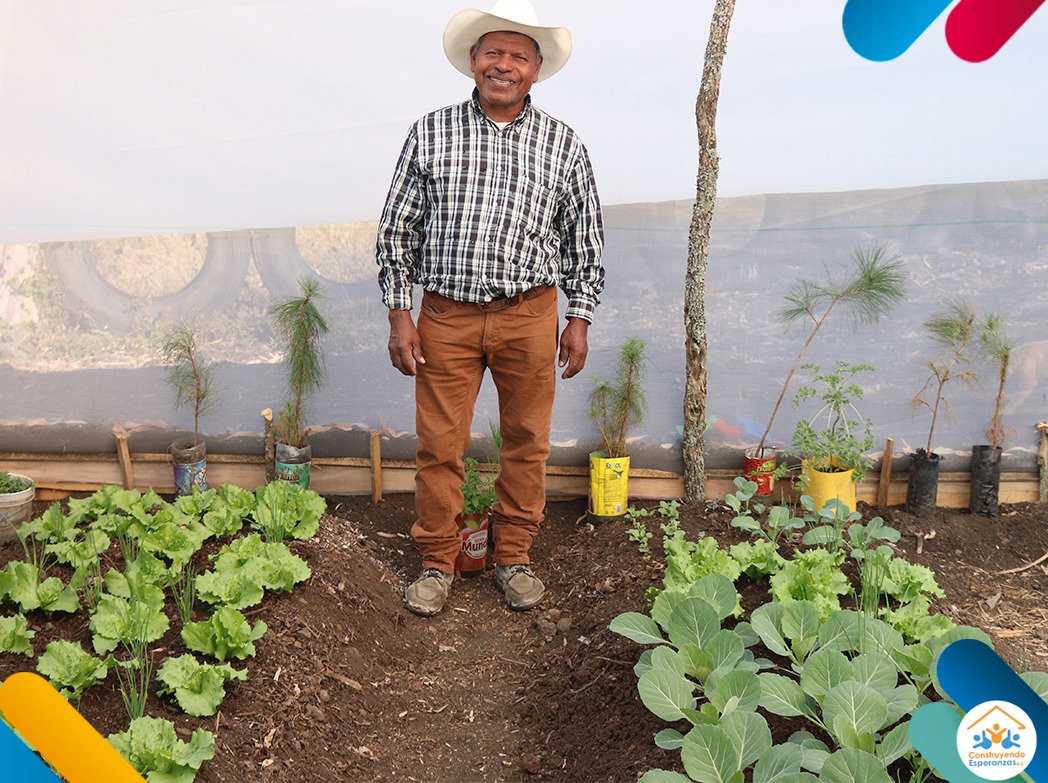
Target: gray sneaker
523 589
427 594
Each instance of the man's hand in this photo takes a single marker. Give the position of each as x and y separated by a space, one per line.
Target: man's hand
574 345
405 348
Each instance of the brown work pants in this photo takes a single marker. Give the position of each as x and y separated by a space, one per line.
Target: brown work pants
519 346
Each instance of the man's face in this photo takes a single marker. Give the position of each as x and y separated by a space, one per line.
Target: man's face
505 65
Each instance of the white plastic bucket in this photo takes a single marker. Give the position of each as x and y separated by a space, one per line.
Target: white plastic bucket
15 508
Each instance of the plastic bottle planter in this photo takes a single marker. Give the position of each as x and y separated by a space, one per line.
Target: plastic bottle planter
822 485
922 485
761 470
985 481
293 464
609 488
473 557
15 508
190 465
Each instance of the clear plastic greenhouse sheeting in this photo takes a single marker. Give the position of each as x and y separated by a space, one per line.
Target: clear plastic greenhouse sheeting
82 322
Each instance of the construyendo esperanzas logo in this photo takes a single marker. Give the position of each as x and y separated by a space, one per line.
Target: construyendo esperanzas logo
996 736
976 30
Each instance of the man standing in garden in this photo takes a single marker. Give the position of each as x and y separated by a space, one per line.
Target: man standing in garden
492 207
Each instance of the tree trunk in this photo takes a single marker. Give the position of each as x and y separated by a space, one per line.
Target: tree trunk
698 255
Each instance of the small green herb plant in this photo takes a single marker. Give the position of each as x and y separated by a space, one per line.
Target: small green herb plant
478 490
10 484
780 523
837 437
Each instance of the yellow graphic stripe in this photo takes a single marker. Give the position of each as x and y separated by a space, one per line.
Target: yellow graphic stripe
60 734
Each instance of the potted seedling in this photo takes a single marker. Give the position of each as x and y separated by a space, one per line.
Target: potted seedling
615 407
985 483
868 289
190 375
16 503
300 327
478 496
952 329
833 444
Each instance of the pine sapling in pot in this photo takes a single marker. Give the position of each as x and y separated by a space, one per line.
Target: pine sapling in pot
615 407
866 291
300 327
985 483
952 329
190 375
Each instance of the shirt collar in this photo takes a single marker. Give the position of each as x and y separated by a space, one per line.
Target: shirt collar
520 118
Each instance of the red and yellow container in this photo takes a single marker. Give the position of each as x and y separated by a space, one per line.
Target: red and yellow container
475 531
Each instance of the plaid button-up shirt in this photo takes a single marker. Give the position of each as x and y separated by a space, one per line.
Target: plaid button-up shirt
476 212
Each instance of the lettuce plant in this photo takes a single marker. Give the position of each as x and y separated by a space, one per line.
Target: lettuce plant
70 669
226 634
16 636
227 513
284 510
812 575
246 568
119 620
24 584
197 687
153 748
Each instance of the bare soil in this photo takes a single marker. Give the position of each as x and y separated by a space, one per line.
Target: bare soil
348 686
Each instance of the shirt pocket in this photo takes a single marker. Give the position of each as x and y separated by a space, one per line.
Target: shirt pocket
537 199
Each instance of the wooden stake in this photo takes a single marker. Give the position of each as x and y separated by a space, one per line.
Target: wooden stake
886 473
271 448
1042 460
124 455
376 467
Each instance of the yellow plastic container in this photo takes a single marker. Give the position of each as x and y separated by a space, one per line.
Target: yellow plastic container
609 487
822 486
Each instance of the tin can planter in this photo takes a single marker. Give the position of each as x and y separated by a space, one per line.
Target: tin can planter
922 484
609 488
189 459
985 482
761 470
293 464
825 485
16 508
473 556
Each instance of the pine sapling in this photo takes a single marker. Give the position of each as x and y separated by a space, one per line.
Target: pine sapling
953 329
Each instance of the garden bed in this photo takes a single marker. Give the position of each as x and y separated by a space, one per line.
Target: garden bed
347 686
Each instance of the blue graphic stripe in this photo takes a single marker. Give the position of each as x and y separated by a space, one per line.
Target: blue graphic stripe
881 30
971 673
19 762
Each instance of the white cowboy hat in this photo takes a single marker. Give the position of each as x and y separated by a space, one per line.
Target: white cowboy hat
515 16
